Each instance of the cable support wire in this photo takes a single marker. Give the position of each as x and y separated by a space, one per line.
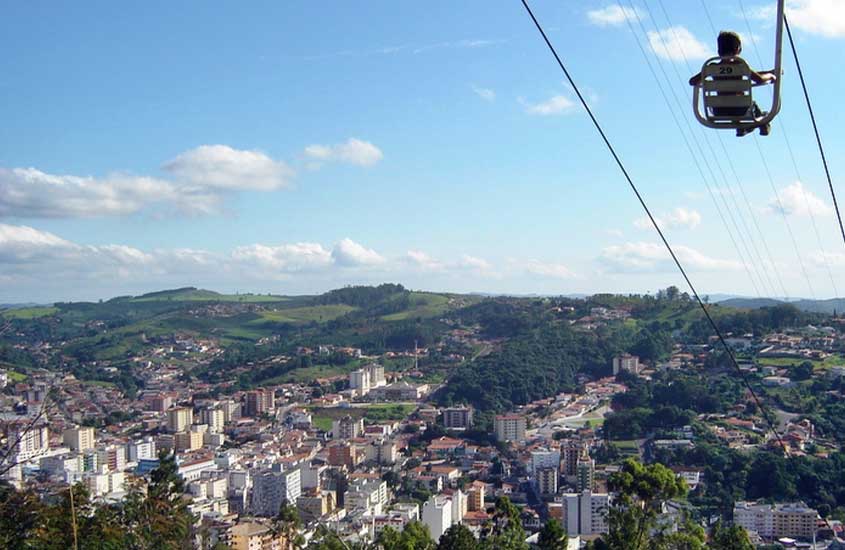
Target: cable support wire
717 160
642 202
739 237
785 134
710 191
815 126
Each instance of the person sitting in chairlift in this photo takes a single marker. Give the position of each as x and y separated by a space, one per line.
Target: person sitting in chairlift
730 46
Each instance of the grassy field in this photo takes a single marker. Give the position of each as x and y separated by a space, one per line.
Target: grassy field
305 314
322 417
199 295
833 360
423 304
28 312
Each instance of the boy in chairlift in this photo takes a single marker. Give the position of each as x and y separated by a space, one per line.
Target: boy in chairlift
730 46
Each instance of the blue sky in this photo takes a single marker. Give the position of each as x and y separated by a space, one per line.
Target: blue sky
296 147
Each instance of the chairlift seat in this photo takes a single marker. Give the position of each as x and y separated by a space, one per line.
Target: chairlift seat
726 97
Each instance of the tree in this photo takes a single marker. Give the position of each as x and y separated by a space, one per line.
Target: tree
507 533
288 523
414 536
641 488
552 536
160 519
457 537
731 538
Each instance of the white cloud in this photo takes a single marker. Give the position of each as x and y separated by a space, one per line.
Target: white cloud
199 180
473 262
614 15
797 200
643 257
286 257
555 105
222 167
679 217
28 192
423 261
822 17
484 93
22 244
351 254
824 259
547 269
353 151
676 44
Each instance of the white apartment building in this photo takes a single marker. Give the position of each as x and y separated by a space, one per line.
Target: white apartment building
360 380
27 441
509 427
626 362
585 513
376 373
179 419
544 459
347 428
459 418
143 448
437 515
369 496
214 418
271 488
79 438
772 521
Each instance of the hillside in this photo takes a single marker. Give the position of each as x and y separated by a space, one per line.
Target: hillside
829 306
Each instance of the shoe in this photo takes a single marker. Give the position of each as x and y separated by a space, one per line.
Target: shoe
764 130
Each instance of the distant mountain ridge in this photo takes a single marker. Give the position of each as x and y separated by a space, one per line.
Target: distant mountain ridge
829 306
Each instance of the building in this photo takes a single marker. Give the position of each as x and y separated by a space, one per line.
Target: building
475 496
359 380
586 468
347 428
571 451
437 515
399 391
231 410
143 448
159 402
179 419
509 427
26 441
585 513
381 451
547 480
248 535
626 362
79 439
271 488
544 458
259 402
457 418
214 418
772 521
376 373
112 457
187 441
368 496
343 455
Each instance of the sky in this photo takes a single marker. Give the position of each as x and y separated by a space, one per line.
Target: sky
295 147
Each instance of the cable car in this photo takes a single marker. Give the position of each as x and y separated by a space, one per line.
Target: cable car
723 98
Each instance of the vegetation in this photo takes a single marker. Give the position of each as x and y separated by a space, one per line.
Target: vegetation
153 516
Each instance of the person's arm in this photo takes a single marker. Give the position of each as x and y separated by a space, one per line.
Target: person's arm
763 77
695 80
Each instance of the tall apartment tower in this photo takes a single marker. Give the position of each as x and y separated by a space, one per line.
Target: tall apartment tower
459 418
179 419
259 402
79 439
509 427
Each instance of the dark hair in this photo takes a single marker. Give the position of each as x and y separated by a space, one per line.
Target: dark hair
729 43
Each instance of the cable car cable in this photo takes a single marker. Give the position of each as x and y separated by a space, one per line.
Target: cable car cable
815 126
694 157
785 135
642 202
750 237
